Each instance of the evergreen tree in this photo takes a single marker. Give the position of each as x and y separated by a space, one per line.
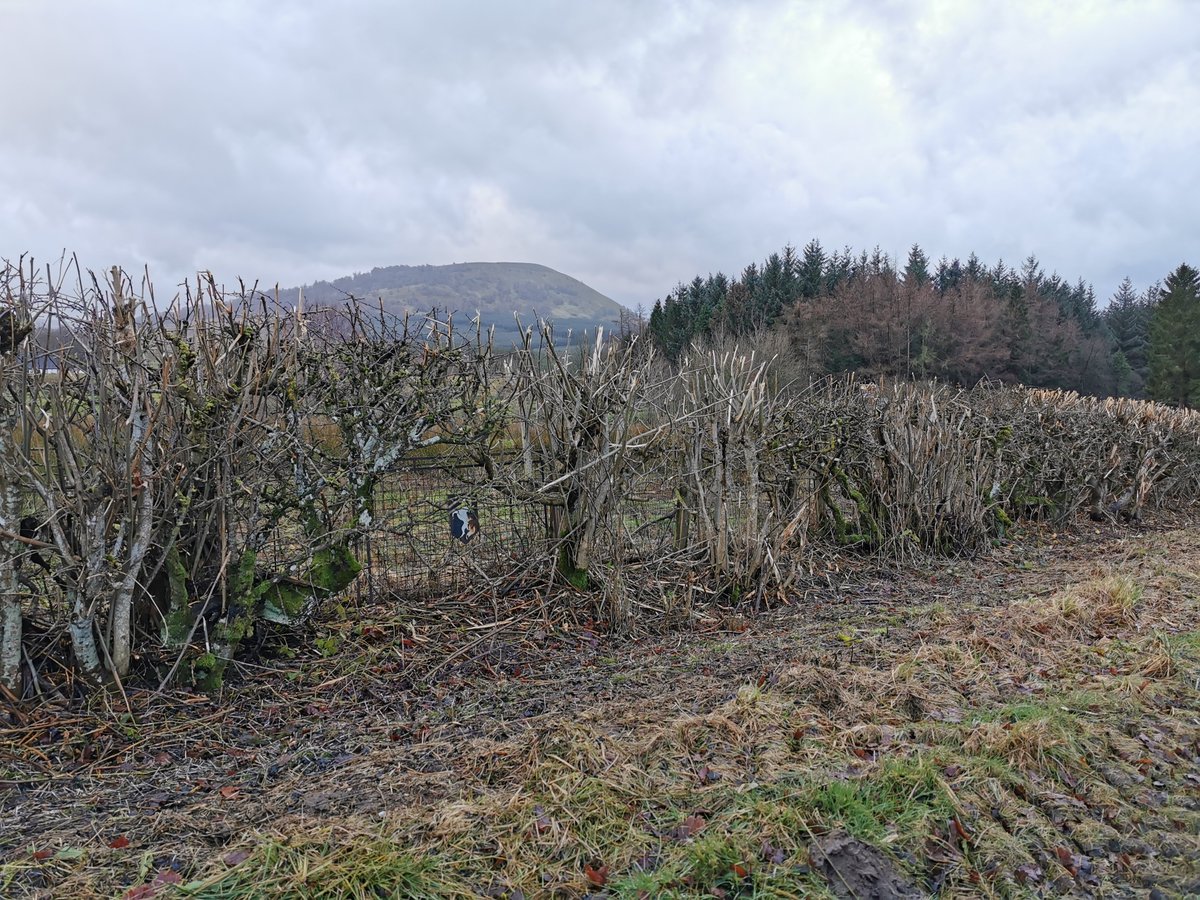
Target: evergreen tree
948 275
698 316
791 268
735 310
658 332
751 293
1124 376
916 270
1175 340
750 277
1031 271
974 271
1128 321
773 289
954 321
880 263
712 302
811 272
1083 307
838 269
778 285
1004 281
675 328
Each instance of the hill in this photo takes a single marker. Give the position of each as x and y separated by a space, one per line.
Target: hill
497 291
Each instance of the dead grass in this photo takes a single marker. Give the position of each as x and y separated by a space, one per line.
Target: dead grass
1100 603
993 749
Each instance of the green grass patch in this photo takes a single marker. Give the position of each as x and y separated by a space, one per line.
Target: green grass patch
357 870
901 797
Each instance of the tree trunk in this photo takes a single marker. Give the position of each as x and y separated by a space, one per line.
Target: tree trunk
10 640
83 643
10 601
122 609
170 594
566 531
682 517
331 570
720 514
84 599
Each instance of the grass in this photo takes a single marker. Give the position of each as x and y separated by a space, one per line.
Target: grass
1034 739
1105 601
983 749
645 826
748 842
328 867
901 797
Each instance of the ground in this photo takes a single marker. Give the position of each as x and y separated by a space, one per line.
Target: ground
1025 723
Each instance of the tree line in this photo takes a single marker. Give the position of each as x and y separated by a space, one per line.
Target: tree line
954 321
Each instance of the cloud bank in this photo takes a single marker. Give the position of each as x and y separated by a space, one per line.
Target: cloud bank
627 144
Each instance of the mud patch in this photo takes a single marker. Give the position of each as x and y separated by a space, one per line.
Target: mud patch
855 870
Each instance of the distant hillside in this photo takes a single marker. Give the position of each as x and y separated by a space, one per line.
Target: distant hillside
496 291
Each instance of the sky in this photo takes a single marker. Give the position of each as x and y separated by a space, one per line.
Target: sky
628 143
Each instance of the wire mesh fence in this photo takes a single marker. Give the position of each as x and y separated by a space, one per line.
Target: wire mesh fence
411 551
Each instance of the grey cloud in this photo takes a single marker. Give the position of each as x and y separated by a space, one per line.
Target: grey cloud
627 144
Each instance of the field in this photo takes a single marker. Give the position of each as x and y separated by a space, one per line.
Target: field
1023 723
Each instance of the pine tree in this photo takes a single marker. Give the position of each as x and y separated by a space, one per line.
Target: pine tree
974 270
1031 277
791 269
811 272
750 282
948 276
658 331
1128 320
838 269
773 289
1175 340
1123 375
1083 306
880 263
916 271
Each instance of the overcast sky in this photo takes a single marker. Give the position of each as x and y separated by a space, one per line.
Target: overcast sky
629 144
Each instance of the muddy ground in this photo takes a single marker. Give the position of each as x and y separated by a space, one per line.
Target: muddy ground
1026 723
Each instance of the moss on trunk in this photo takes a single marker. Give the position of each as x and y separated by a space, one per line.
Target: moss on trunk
332 571
283 602
567 568
177 618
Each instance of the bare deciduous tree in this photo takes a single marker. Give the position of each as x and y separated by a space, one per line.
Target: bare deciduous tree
15 326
